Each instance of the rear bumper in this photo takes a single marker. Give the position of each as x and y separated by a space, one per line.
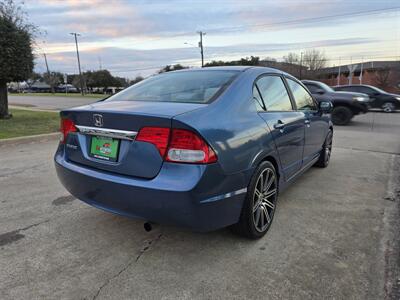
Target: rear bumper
199 197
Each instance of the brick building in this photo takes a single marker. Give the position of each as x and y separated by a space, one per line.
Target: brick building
383 74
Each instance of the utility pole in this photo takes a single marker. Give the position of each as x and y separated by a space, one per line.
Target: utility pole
47 66
361 72
201 47
79 62
301 65
48 72
338 78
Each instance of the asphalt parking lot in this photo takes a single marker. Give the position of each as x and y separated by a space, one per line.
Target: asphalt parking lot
335 234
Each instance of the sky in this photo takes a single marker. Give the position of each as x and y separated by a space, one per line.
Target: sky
132 38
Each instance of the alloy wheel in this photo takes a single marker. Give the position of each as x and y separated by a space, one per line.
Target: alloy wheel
264 199
328 147
388 107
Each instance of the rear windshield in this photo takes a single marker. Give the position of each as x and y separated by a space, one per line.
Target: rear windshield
189 86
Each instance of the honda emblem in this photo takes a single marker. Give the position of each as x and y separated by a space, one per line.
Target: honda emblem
98 120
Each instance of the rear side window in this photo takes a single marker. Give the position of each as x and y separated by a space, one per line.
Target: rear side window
303 99
312 87
363 89
350 89
357 89
188 86
343 88
274 93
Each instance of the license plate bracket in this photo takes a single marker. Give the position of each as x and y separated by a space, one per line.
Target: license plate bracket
104 148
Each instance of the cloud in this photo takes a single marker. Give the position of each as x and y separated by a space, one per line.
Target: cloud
105 19
130 62
95 19
131 35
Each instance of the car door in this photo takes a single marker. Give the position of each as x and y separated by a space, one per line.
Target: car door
285 124
315 127
373 96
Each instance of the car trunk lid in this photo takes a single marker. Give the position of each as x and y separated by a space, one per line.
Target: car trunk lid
106 131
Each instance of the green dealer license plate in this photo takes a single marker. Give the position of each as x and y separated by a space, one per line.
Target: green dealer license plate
104 148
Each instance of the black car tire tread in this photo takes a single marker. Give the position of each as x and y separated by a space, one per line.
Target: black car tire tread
341 115
322 161
245 226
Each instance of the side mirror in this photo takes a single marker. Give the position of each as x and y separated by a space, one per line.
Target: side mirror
320 91
325 107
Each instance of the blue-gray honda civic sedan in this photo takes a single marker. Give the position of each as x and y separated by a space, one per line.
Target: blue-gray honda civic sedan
200 148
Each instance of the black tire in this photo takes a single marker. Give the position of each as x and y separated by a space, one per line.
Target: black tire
326 151
388 107
256 206
341 115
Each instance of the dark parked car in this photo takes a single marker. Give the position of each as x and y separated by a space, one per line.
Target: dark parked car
201 148
379 98
69 88
345 104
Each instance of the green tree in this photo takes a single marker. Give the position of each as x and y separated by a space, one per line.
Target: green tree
169 68
33 78
16 57
247 61
53 79
101 78
136 80
74 79
120 82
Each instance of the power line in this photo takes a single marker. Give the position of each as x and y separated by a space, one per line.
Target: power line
272 24
263 25
295 21
355 57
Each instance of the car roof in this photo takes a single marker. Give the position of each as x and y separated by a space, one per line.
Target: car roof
310 81
233 68
346 85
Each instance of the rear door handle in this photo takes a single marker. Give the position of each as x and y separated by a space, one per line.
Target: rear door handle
279 125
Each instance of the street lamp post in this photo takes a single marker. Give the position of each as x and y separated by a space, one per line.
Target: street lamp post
79 62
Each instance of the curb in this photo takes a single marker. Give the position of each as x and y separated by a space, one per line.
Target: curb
30 139
13 106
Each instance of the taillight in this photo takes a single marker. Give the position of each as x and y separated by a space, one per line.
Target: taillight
66 126
158 136
187 147
184 145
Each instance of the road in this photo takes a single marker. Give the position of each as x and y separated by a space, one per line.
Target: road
48 102
335 234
